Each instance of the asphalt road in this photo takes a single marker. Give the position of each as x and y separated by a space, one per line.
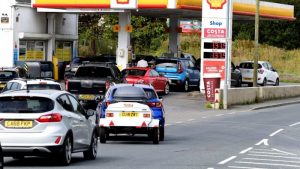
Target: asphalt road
197 138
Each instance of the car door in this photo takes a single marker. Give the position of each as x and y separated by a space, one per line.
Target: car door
84 130
194 73
268 72
273 74
157 80
72 118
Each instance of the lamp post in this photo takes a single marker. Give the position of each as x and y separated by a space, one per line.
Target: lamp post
256 56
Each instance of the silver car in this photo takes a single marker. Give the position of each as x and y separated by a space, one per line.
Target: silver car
46 122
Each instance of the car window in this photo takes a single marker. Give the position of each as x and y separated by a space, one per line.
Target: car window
191 64
151 94
270 66
43 86
94 72
154 73
133 72
166 63
14 86
117 72
185 63
128 92
76 105
8 74
7 86
266 66
24 104
249 65
65 102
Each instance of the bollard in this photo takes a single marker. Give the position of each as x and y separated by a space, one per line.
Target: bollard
55 68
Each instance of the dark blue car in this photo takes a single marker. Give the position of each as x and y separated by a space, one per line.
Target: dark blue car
181 72
153 101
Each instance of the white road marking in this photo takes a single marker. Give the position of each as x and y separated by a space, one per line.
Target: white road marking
218 115
179 122
204 117
168 125
262 149
263 141
276 132
269 153
210 168
232 113
246 150
273 156
287 153
262 159
245 167
191 119
295 124
227 160
268 164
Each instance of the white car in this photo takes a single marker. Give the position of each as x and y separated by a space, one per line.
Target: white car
129 114
31 84
46 123
266 74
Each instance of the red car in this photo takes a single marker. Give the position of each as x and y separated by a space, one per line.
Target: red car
141 75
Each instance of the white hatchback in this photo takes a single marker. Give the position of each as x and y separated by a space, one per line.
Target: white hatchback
266 74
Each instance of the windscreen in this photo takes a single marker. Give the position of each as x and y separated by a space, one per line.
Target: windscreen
43 86
129 93
248 65
7 74
93 72
166 63
24 104
133 72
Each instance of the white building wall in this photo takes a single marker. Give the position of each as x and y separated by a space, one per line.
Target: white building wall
66 24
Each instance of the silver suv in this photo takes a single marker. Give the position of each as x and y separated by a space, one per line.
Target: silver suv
46 122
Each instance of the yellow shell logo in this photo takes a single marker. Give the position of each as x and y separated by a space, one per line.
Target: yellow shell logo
216 4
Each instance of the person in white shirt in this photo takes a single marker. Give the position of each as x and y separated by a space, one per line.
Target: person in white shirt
142 63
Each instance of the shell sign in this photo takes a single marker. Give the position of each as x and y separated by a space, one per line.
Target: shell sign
216 4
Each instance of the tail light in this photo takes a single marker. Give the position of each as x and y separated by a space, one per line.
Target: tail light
180 68
109 114
54 117
146 115
154 104
261 71
67 85
107 84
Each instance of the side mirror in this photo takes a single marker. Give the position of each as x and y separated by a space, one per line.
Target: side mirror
90 112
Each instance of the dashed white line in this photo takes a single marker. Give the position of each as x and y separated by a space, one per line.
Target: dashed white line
179 122
227 160
168 125
295 124
218 115
204 117
246 150
232 113
272 156
269 160
268 164
276 132
244 167
191 119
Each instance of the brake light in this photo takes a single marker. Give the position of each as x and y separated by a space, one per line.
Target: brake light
48 118
261 71
146 115
107 84
180 69
67 85
109 114
154 104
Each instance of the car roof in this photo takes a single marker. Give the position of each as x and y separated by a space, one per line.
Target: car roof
171 58
136 85
253 62
34 81
39 93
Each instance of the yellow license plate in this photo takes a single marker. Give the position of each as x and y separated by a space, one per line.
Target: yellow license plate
129 114
247 78
86 97
2 86
18 124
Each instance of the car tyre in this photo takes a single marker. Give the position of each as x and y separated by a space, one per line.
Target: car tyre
155 135
65 156
91 153
264 82
239 82
186 86
277 82
167 89
102 135
1 159
161 133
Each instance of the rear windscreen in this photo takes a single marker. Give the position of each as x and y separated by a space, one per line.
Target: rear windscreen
166 63
151 94
94 72
24 104
133 72
8 74
248 65
129 92
43 86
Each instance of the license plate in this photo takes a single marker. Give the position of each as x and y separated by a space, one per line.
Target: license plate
129 114
86 97
2 85
18 124
247 78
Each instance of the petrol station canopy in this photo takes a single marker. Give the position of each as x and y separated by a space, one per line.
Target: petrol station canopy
242 9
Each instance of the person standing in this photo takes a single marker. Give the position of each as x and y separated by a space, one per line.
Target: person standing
142 62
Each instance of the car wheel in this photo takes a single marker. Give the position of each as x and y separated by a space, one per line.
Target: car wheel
1 162
264 82
91 153
239 82
186 86
65 156
277 82
155 135
167 89
161 133
102 135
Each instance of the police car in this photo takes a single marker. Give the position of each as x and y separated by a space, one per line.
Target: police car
127 112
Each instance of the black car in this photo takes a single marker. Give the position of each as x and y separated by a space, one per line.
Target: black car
1 158
236 76
7 74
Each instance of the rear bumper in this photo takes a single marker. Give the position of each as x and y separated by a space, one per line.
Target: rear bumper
31 151
107 123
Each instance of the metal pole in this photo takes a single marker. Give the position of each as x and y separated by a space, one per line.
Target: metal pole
256 44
